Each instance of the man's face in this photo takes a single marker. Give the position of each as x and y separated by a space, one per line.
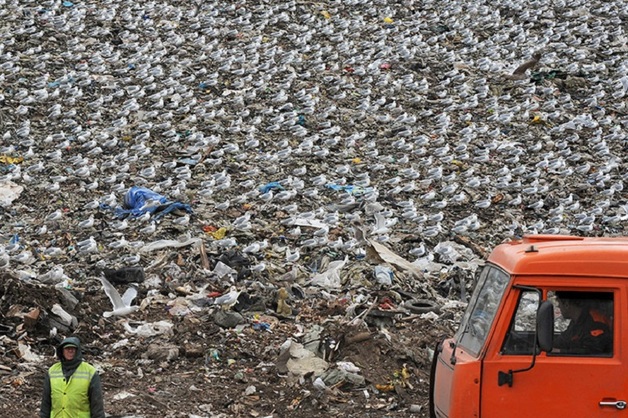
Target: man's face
69 353
566 310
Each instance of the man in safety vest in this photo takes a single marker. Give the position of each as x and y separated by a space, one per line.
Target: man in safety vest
72 386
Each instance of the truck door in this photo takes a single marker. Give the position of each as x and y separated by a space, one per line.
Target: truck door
581 377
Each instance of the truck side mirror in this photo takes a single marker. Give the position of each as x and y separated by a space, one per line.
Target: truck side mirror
545 326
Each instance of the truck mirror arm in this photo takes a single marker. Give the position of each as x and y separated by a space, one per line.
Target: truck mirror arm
544 330
507 377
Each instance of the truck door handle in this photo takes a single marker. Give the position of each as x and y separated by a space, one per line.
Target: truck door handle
616 404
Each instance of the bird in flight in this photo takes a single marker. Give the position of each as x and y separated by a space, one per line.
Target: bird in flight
121 305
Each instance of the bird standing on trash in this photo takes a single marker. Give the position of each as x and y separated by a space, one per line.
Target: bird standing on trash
228 300
182 221
88 223
54 216
291 257
87 246
72 386
150 229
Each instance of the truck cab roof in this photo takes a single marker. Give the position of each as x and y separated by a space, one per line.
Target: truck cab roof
562 255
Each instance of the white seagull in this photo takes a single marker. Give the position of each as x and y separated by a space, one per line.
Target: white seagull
229 299
121 305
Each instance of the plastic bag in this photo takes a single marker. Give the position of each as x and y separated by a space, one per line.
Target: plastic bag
384 275
331 277
168 243
139 200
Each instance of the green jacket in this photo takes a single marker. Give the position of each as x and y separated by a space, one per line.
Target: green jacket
72 389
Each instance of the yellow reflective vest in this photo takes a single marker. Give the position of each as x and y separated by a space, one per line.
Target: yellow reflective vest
70 399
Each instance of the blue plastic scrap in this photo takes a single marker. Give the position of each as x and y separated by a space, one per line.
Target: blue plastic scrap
273 185
354 190
261 326
7 168
139 200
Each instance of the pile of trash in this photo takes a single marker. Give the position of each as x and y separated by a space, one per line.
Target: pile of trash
278 208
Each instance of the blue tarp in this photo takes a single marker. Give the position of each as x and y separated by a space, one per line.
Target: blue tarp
139 200
273 185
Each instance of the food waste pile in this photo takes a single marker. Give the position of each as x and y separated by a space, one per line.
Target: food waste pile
278 208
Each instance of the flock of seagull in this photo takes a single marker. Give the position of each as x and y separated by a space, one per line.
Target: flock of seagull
292 123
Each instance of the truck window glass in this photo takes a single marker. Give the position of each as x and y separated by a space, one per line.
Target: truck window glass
521 335
583 323
482 308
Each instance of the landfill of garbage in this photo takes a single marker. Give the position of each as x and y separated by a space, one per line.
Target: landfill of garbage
278 208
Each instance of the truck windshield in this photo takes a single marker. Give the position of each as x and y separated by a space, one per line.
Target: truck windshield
483 305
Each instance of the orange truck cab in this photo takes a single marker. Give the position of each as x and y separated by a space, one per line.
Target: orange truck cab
543 334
